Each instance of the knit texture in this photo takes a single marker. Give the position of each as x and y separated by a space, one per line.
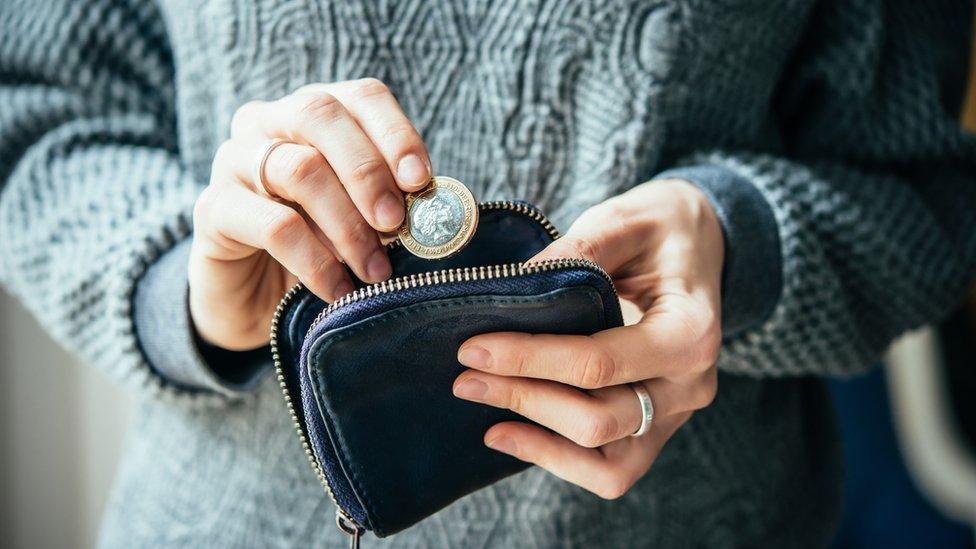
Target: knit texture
841 113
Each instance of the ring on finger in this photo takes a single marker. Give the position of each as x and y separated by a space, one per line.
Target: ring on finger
262 163
647 408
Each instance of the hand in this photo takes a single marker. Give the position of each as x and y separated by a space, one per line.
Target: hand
336 187
662 244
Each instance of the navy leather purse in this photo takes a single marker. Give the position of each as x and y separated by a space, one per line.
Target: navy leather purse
368 378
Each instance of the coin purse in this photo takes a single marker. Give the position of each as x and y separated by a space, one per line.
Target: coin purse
368 378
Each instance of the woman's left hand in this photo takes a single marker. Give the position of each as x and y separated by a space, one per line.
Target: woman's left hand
662 244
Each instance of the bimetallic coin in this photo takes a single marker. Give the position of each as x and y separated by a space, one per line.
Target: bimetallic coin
441 219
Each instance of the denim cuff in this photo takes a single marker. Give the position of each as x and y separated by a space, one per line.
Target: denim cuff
752 276
170 342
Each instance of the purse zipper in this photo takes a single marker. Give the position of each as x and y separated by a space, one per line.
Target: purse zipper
344 521
460 274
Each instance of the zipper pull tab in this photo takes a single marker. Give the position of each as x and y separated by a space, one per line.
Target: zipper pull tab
350 528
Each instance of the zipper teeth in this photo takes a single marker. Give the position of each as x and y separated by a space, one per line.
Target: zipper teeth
461 274
412 281
519 207
279 370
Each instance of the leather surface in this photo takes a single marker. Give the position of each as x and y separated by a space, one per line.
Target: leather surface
407 446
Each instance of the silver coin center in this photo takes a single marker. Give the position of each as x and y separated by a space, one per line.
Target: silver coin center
436 218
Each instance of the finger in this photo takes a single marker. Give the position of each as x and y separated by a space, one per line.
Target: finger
608 471
380 115
671 396
598 235
238 216
299 174
322 121
588 419
659 346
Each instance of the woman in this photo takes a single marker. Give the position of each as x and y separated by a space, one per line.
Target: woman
784 179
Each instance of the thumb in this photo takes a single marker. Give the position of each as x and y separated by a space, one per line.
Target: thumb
601 235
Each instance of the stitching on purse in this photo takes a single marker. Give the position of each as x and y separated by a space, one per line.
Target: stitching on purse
339 442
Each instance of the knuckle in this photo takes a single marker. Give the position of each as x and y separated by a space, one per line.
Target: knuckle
593 370
515 399
609 209
305 89
583 248
370 87
282 225
615 217
223 155
595 430
518 359
243 116
369 170
709 340
204 206
322 268
706 391
712 348
355 234
615 486
320 108
705 395
701 329
301 165
401 136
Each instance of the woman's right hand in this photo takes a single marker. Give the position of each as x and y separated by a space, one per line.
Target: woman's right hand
336 187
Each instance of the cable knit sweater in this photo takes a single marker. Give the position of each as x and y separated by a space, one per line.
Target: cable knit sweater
824 133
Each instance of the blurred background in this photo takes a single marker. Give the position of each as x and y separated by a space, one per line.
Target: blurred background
61 430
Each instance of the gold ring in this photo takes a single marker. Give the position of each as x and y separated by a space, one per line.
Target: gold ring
259 177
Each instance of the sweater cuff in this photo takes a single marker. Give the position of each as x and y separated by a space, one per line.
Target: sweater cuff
170 342
752 277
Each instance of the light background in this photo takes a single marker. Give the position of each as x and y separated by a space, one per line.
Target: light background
61 431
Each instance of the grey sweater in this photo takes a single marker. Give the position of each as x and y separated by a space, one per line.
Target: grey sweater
824 133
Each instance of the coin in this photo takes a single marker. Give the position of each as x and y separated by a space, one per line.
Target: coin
441 219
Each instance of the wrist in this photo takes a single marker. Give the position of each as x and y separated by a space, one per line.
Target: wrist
752 264
169 339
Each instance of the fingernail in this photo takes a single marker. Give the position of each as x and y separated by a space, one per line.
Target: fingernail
471 389
413 171
341 289
474 356
503 444
378 266
389 211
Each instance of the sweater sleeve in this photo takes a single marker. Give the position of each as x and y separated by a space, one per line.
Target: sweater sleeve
873 192
93 191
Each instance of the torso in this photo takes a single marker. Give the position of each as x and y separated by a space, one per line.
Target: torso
559 103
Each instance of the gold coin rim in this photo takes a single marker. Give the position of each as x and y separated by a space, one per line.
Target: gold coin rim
458 241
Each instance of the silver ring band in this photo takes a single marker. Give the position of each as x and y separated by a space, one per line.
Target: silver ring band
259 168
647 408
